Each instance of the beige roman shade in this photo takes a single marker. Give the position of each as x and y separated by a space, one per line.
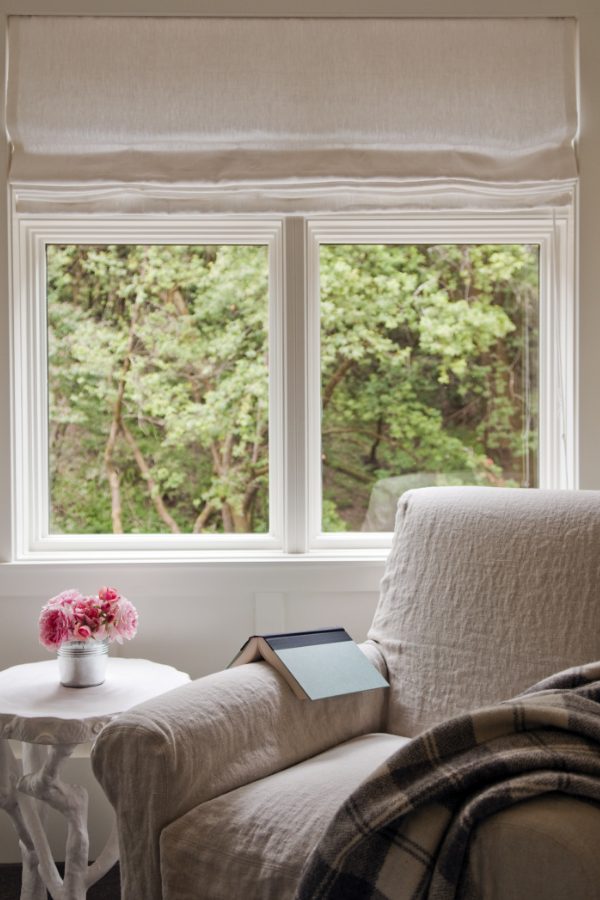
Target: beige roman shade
301 102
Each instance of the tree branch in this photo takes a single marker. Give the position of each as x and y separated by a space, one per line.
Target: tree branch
249 498
115 427
227 516
352 473
372 460
153 490
113 477
227 453
335 379
203 517
118 426
216 458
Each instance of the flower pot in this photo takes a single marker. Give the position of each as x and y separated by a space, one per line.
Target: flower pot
82 663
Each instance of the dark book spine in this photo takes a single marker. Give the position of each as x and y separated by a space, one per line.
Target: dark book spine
306 638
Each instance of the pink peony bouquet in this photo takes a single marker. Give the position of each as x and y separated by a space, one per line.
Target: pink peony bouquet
72 617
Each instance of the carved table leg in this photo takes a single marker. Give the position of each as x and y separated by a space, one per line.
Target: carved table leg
71 800
35 816
32 886
105 859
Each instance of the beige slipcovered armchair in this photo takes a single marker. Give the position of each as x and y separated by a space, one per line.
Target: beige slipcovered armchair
223 787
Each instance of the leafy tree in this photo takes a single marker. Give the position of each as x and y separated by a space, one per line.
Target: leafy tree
159 389
423 351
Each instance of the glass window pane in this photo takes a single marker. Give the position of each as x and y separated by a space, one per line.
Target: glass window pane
429 373
158 388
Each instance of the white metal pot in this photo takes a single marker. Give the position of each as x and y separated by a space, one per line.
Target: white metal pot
82 663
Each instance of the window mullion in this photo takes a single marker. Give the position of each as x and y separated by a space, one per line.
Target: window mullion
295 395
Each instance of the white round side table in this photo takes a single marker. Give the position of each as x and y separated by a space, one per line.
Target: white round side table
51 720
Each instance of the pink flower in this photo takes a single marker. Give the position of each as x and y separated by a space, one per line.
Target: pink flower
89 610
68 598
126 622
72 617
81 633
54 626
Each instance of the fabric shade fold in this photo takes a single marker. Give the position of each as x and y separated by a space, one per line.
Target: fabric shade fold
227 101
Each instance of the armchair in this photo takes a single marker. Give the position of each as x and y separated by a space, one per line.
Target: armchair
223 786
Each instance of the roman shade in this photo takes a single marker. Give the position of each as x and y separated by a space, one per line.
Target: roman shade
290 102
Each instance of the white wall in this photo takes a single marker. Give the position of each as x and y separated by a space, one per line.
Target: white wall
212 608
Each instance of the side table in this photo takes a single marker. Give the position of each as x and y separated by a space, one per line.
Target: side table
51 720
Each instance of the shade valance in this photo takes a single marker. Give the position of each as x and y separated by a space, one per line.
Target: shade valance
230 101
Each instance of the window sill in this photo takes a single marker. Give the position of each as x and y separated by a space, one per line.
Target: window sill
346 555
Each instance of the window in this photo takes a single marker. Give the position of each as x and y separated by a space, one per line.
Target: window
272 384
149 363
463 373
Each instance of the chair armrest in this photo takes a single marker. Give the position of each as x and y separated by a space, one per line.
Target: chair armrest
164 757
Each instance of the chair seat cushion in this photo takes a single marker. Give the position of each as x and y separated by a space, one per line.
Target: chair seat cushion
253 841
544 847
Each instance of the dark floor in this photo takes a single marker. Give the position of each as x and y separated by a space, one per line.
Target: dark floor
106 889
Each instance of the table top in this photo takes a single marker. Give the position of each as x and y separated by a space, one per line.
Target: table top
35 707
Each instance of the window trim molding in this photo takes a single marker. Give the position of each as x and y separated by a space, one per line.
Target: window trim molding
29 414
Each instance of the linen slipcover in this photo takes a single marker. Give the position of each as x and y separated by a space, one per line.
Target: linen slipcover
258 836
218 733
486 591
554 835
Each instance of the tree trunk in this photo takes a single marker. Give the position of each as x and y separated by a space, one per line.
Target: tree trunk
203 518
142 465
113 478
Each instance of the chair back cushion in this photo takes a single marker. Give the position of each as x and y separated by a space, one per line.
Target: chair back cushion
486 591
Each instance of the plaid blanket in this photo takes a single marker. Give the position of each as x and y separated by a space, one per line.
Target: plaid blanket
405 831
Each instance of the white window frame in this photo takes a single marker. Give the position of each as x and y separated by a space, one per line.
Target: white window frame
31 235
294 333
552 230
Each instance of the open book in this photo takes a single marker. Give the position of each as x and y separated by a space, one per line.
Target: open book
315 664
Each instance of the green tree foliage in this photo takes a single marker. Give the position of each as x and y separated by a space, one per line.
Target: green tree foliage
158 388
428 362
158 379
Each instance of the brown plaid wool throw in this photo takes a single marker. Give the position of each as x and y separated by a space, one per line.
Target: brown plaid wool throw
405 831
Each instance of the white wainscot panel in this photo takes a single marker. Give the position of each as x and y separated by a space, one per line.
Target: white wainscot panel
352 611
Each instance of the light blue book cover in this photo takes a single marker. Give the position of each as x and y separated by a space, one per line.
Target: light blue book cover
328 667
